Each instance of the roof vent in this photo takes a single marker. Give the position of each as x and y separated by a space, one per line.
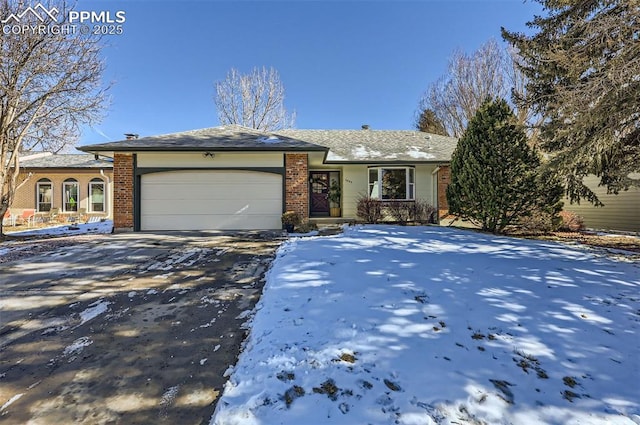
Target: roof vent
131 136
365 126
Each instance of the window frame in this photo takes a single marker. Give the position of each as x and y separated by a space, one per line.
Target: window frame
410 183
97 182
70 182
39 183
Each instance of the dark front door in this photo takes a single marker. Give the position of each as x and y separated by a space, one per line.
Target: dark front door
319 193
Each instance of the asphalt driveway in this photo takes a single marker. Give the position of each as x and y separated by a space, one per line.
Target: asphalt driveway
128 328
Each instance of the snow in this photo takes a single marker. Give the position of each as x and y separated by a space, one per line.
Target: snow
10 402
63 230
77 346
362 152
269 140
94 310
417 153
331 156
429 325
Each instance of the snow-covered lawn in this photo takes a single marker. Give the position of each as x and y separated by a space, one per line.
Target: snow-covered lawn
428 325
105 226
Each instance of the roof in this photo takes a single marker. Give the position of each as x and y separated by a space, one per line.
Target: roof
66 161
349 146
340 146
223 138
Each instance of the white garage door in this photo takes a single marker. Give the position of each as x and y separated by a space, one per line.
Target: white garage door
210 200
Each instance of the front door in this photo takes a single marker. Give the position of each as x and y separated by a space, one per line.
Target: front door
319 182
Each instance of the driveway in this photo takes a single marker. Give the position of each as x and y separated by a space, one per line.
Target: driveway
127 328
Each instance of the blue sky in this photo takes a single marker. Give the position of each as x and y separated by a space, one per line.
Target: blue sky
343 63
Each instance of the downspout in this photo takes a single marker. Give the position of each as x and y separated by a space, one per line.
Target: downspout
435 191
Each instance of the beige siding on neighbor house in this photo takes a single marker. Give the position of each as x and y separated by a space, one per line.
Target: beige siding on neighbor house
25 197
220 159
620 212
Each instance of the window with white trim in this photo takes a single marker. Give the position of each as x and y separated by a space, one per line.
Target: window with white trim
96 195
44 189
392 183
70 192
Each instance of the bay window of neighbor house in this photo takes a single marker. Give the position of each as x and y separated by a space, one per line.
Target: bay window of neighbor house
44 189
392 183
96 195
70 198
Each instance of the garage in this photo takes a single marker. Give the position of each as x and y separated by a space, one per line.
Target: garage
210 200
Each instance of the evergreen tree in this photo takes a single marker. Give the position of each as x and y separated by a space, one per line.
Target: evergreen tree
428 122
495 174
583 68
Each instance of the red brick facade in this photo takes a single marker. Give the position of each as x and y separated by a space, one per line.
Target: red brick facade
123 192
296 183
444 178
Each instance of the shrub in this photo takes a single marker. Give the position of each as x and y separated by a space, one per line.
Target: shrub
400 211
536 223
307 227
291 217
571 222
423 212
369 210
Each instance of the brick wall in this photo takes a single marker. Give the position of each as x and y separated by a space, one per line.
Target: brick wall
444 178
123 192
296 183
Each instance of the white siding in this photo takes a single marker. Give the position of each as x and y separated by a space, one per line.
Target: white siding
355 183
210 200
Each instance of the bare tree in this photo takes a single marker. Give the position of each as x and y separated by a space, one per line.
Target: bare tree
254 100
471 80
50 84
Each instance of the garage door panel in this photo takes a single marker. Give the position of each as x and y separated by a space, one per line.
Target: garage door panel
211 222
219 207
210 200
169 192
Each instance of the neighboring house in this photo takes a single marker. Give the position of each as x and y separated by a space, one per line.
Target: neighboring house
620 212
69 184
232 177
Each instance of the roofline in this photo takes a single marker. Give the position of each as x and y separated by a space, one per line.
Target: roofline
90 149
388 162
22 167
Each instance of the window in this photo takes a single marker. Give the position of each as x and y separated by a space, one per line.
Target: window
70 195
45 195
395 183
96 195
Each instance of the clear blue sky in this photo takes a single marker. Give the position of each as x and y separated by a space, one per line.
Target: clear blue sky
343 63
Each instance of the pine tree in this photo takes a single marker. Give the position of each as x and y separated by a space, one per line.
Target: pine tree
583 68
428 122
495 173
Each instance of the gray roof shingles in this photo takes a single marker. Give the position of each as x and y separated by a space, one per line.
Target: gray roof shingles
229 137
348 146
340 146
66 161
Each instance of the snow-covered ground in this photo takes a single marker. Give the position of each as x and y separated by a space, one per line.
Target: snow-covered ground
428 325
105 226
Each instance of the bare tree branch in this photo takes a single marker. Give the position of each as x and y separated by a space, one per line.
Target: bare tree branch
254 100
470 80
50 85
